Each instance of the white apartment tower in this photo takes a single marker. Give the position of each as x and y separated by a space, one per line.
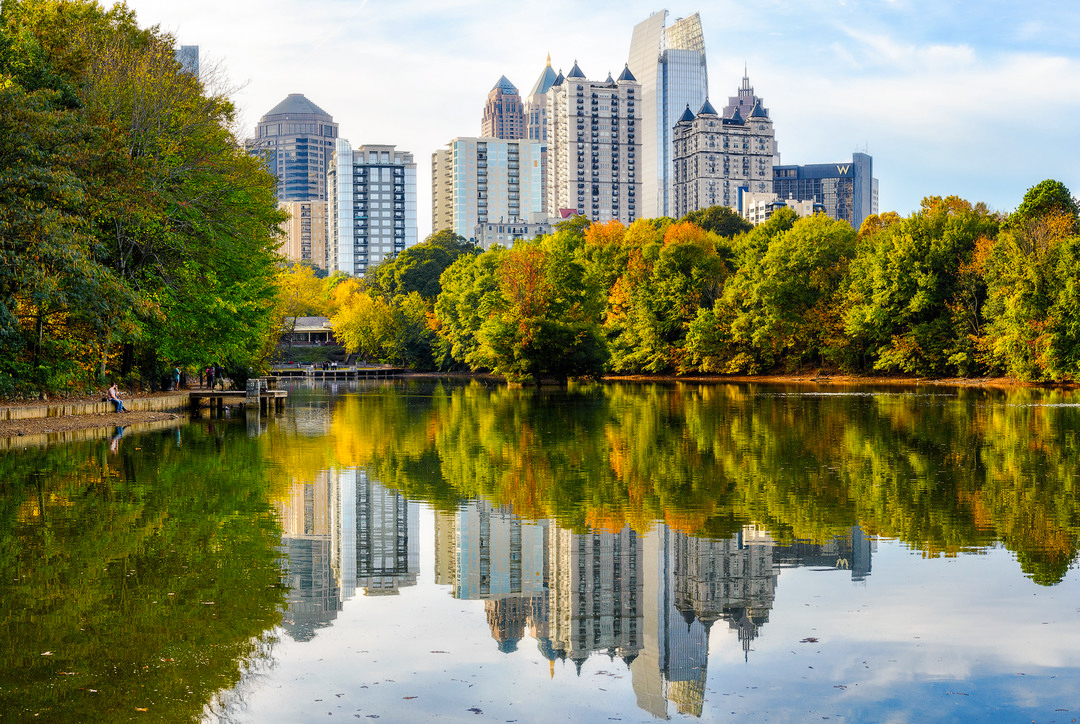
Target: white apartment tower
593 147
718 158
669 63
372 205
480 180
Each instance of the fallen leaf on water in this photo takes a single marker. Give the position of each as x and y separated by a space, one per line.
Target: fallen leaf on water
408 697
46 653
475 710
139 709
809 640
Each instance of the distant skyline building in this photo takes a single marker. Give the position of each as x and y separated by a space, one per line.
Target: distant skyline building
481 180
669 63
504 114
296 139
758 208
536 121
372 206
594 145
188 58
305 232
847 190
718 158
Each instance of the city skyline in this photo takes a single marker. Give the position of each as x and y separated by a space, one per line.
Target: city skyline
930 91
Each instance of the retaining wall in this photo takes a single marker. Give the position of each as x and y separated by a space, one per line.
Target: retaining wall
159 403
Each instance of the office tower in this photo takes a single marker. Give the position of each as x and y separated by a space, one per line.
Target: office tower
372 205
296 139
305 232
536 105
504 115
848 191
593 147
669 63
188 58
536 121
718 158
477 181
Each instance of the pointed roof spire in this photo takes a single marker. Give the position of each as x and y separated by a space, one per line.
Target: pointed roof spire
627 75
545 81
549 60
559 78
505 85
736 117
759 111
575 72
610 80
707 109
687 116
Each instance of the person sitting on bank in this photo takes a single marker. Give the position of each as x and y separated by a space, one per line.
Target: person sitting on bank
114 397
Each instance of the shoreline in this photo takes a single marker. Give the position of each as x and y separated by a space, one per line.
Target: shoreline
11 430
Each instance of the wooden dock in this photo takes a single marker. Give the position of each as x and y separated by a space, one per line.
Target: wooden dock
217 398
338 373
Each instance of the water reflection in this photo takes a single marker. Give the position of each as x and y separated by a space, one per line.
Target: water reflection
649 600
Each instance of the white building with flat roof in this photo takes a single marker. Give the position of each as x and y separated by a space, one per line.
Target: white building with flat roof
372 205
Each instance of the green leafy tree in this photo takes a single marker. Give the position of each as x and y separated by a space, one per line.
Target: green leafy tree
720 220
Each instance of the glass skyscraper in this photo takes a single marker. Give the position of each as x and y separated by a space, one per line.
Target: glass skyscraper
669 63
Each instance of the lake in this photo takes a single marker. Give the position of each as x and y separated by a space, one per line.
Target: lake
419 550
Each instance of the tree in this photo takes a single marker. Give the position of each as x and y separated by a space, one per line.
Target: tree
721 220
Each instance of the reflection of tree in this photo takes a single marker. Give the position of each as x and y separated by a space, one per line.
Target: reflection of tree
149 575
945 474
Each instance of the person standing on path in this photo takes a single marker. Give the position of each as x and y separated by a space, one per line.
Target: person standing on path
210 377
176 378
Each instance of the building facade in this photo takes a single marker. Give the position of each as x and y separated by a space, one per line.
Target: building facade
296 139
669 63
594 146
536 120
305 233
759 208
719 158
504 113
505 233
848 191
372 205
479 180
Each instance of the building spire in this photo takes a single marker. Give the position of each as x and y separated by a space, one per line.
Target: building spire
549 60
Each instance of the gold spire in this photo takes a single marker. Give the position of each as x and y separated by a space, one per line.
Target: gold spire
549 60
551 668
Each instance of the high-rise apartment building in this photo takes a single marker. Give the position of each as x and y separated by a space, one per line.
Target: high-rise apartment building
480 180
305 232
669 63
188 58
718 158
848 191
372 205
504 113
296 139
594 145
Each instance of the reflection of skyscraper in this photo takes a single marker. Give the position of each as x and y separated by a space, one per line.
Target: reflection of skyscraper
387 540
314 598
669 63
595 594
844 552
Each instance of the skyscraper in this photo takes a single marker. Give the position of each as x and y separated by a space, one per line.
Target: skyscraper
717 158
536 121
296 138
481 180
305 232
593 147
669 63
848 191
372 205
504 115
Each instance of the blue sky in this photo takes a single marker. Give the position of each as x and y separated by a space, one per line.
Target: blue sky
974 98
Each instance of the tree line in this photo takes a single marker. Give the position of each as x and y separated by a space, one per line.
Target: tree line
954 289
135 233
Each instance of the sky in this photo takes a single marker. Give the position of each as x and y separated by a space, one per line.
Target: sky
977 98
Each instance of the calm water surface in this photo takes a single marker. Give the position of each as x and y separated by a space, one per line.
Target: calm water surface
413 551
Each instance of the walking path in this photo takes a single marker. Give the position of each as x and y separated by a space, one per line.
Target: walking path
50 418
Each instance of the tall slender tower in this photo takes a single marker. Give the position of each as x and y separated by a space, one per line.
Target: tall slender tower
504 115
669 63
